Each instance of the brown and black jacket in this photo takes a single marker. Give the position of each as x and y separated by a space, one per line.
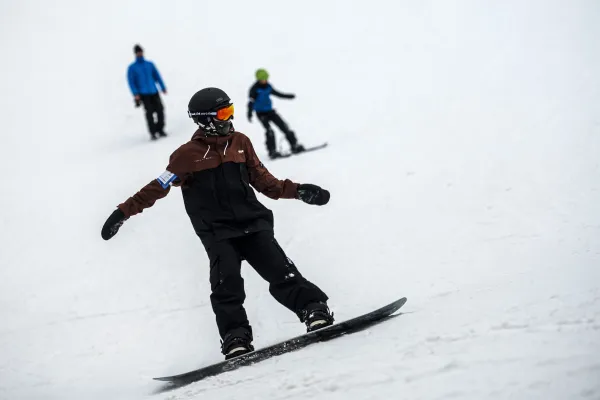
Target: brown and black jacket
215 175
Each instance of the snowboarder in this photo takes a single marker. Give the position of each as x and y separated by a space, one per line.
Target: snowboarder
215 171
142 77
260 101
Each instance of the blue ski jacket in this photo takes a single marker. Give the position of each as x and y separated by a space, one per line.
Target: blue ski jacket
143 76
260 97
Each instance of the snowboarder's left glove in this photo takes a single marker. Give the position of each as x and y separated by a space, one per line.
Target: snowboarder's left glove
113 223
250 116
313 194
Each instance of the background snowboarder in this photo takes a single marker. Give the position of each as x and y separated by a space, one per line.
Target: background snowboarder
215 170
142 76
260 101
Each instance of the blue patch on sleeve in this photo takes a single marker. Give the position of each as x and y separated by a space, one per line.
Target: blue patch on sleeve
166 178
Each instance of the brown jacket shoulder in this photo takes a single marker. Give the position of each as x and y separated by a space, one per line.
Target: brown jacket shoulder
207 152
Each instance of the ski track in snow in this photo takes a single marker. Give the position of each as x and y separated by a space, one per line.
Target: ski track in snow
463 167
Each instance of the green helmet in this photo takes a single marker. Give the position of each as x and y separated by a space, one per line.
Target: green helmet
262 74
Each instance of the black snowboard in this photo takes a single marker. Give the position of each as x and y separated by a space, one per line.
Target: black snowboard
306 150
330 332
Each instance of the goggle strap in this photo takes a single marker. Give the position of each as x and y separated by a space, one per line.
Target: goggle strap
193 114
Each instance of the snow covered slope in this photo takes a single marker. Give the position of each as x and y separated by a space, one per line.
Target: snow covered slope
463 166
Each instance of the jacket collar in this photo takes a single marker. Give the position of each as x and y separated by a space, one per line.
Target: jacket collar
200 136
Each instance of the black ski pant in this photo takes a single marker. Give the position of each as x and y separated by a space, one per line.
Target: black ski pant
153 105
264 254
271 116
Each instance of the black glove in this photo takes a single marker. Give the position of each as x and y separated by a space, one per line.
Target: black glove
291 96
113 223
313 194
138 102
250 116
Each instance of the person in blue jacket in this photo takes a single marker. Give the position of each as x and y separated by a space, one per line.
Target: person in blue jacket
143 76
260 101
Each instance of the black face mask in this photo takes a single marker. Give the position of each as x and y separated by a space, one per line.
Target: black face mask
223 128
214 127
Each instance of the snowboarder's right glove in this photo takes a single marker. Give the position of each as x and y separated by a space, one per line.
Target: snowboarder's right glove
313 194
250 116
113 223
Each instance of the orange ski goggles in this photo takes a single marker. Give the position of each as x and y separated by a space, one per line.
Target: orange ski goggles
222 114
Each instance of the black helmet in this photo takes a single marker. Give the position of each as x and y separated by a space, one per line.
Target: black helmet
203 107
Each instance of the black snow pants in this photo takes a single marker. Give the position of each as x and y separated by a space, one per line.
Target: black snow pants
272 116
264 254
153 105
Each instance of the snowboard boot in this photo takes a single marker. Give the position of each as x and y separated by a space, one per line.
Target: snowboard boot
236 343
153 136
297 148
275 154
162 134
316 316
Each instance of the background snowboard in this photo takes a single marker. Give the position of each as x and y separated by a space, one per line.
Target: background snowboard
306 150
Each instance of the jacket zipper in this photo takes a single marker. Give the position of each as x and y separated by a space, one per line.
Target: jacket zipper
225 181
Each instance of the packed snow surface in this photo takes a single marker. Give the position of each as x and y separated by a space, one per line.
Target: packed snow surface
463 166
